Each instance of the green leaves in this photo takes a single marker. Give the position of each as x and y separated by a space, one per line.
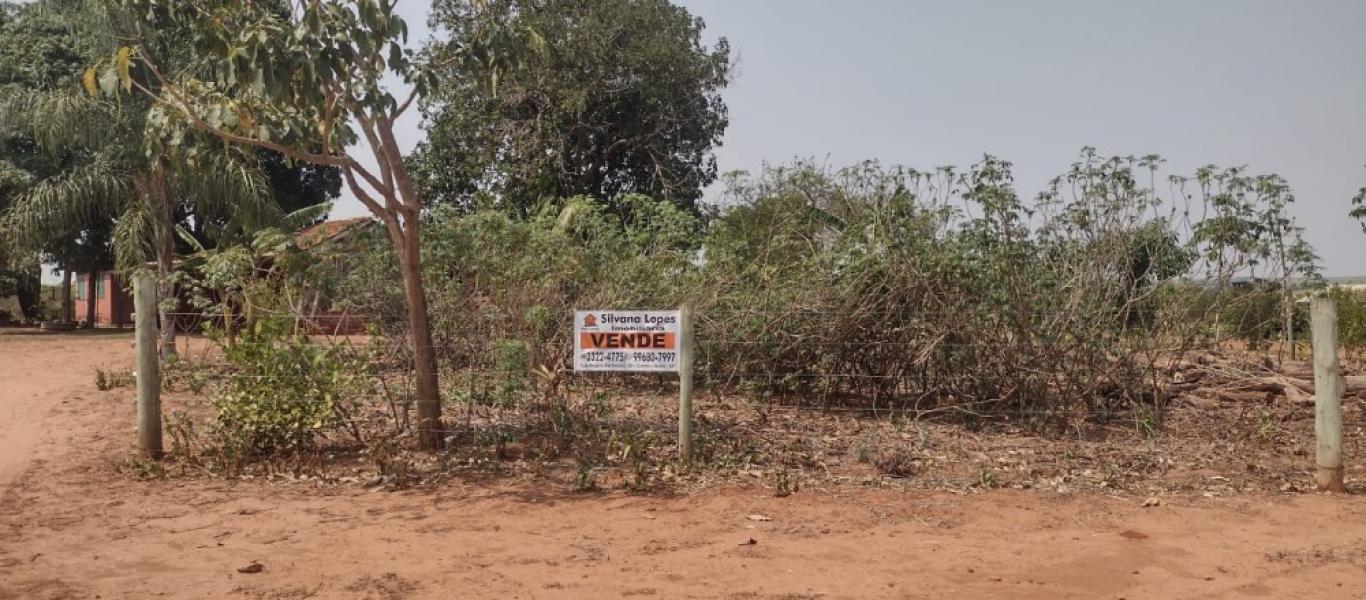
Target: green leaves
226 185
53 206
61 121
299 75
285 391
559 98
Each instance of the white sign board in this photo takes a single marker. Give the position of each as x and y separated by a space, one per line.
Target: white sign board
626 340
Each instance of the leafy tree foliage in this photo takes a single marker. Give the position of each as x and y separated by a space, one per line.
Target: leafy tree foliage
1244 228
298 185
297 188
937 290
304 80
600 99
104 166
41 50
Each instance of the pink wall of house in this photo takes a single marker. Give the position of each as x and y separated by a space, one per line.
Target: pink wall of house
113 304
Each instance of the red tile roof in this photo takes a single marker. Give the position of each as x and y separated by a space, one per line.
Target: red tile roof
326 231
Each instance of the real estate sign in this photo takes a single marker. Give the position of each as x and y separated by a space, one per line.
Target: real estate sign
626 340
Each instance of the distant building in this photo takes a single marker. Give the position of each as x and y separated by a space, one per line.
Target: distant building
1244 282
113 304
334 234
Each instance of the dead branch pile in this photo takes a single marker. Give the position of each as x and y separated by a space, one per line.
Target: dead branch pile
1240 378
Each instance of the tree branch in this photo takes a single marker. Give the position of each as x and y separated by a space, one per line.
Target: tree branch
412 95
405 184
387 217
182 105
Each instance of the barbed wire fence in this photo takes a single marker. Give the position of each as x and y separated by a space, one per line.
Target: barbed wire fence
838 387
812 388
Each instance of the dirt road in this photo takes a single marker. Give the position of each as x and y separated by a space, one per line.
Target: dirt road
38 375
72 525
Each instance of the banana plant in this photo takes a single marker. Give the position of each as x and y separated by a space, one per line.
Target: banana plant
219 276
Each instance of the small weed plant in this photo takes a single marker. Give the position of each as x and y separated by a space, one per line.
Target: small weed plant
284 391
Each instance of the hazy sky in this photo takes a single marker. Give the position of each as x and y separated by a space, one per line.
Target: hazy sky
1277 86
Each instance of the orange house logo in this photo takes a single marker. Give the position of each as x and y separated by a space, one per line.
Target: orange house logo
590 321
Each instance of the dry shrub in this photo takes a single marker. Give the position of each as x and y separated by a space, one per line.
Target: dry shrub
874 287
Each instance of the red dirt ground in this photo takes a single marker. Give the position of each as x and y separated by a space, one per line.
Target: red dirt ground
73 524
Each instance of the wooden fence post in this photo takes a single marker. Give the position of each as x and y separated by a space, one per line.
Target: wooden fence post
1327 395
149 373
685 364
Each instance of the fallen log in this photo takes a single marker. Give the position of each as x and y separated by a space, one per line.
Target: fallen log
1297 395
1302 392
1243 397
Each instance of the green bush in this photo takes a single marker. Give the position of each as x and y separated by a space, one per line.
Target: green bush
283 391
864 284
491 276
868 285
1351 307
1253 314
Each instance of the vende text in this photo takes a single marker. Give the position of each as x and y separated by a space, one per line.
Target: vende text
619 340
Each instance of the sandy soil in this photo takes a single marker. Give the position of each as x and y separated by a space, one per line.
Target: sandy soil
73 524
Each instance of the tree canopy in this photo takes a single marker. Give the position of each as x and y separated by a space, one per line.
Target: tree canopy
98 178
306 80
601 98
41 50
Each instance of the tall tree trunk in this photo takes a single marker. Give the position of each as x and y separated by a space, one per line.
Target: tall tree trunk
1287 303
429 427
1288 320
68 309
30 292
229 332
1223 284
166 294
408 240
90 299
160 198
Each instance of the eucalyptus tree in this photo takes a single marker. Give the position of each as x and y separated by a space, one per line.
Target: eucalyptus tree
306 79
